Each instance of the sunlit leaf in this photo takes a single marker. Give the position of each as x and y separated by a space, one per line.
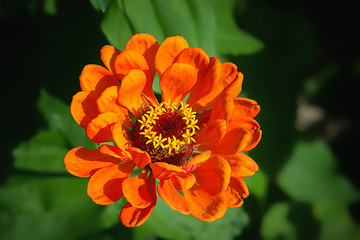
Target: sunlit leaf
175 19
141 14
230 39
115 26
44 152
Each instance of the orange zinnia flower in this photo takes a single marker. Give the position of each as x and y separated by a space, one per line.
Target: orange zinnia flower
193 146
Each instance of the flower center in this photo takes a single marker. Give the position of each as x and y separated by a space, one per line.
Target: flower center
166 133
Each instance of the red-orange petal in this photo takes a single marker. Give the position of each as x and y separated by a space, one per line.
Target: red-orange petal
140 157
204 206
131 216
195 57
200 158
212 133
136 191
172 197
118 135
206 90
213 175
129 60
108 55
241 165
105 185
95 77
107 101
84 162
146 45
233 142
168 51
254 140
99 129
177 81
232 196
244 107
183 180
83 108
223 107
115 152
131 89
239 185
163 170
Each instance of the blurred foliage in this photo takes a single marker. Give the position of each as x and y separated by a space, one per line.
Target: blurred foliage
306 187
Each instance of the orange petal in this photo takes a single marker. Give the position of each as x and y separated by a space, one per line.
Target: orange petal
183 180
131 216
213 175
107 101
118 135
232 197
233 142
140 157
200 158
83 108
129 60
206 89
221 78
95 77
146 45
204 206
105 186
172 197
115 152
239 185
254 140
241 165
195 57
245 122
212 133
223 107
99 129
136 190
163 170
244 107
168 51
108 55
177 81
84 162
130 91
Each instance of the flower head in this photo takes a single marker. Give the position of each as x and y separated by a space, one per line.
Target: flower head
193 146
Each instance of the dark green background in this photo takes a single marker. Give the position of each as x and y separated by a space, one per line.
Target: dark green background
294 55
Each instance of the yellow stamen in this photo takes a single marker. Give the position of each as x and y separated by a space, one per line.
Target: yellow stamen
148 121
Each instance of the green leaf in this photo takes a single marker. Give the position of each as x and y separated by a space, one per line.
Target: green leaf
205 24
57 115
143 19
169 224
275 223
175 19
230 39
310 175
258 184
43 152
115 25
48 208
103 4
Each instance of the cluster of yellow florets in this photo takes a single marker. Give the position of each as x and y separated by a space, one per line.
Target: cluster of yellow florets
148 122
